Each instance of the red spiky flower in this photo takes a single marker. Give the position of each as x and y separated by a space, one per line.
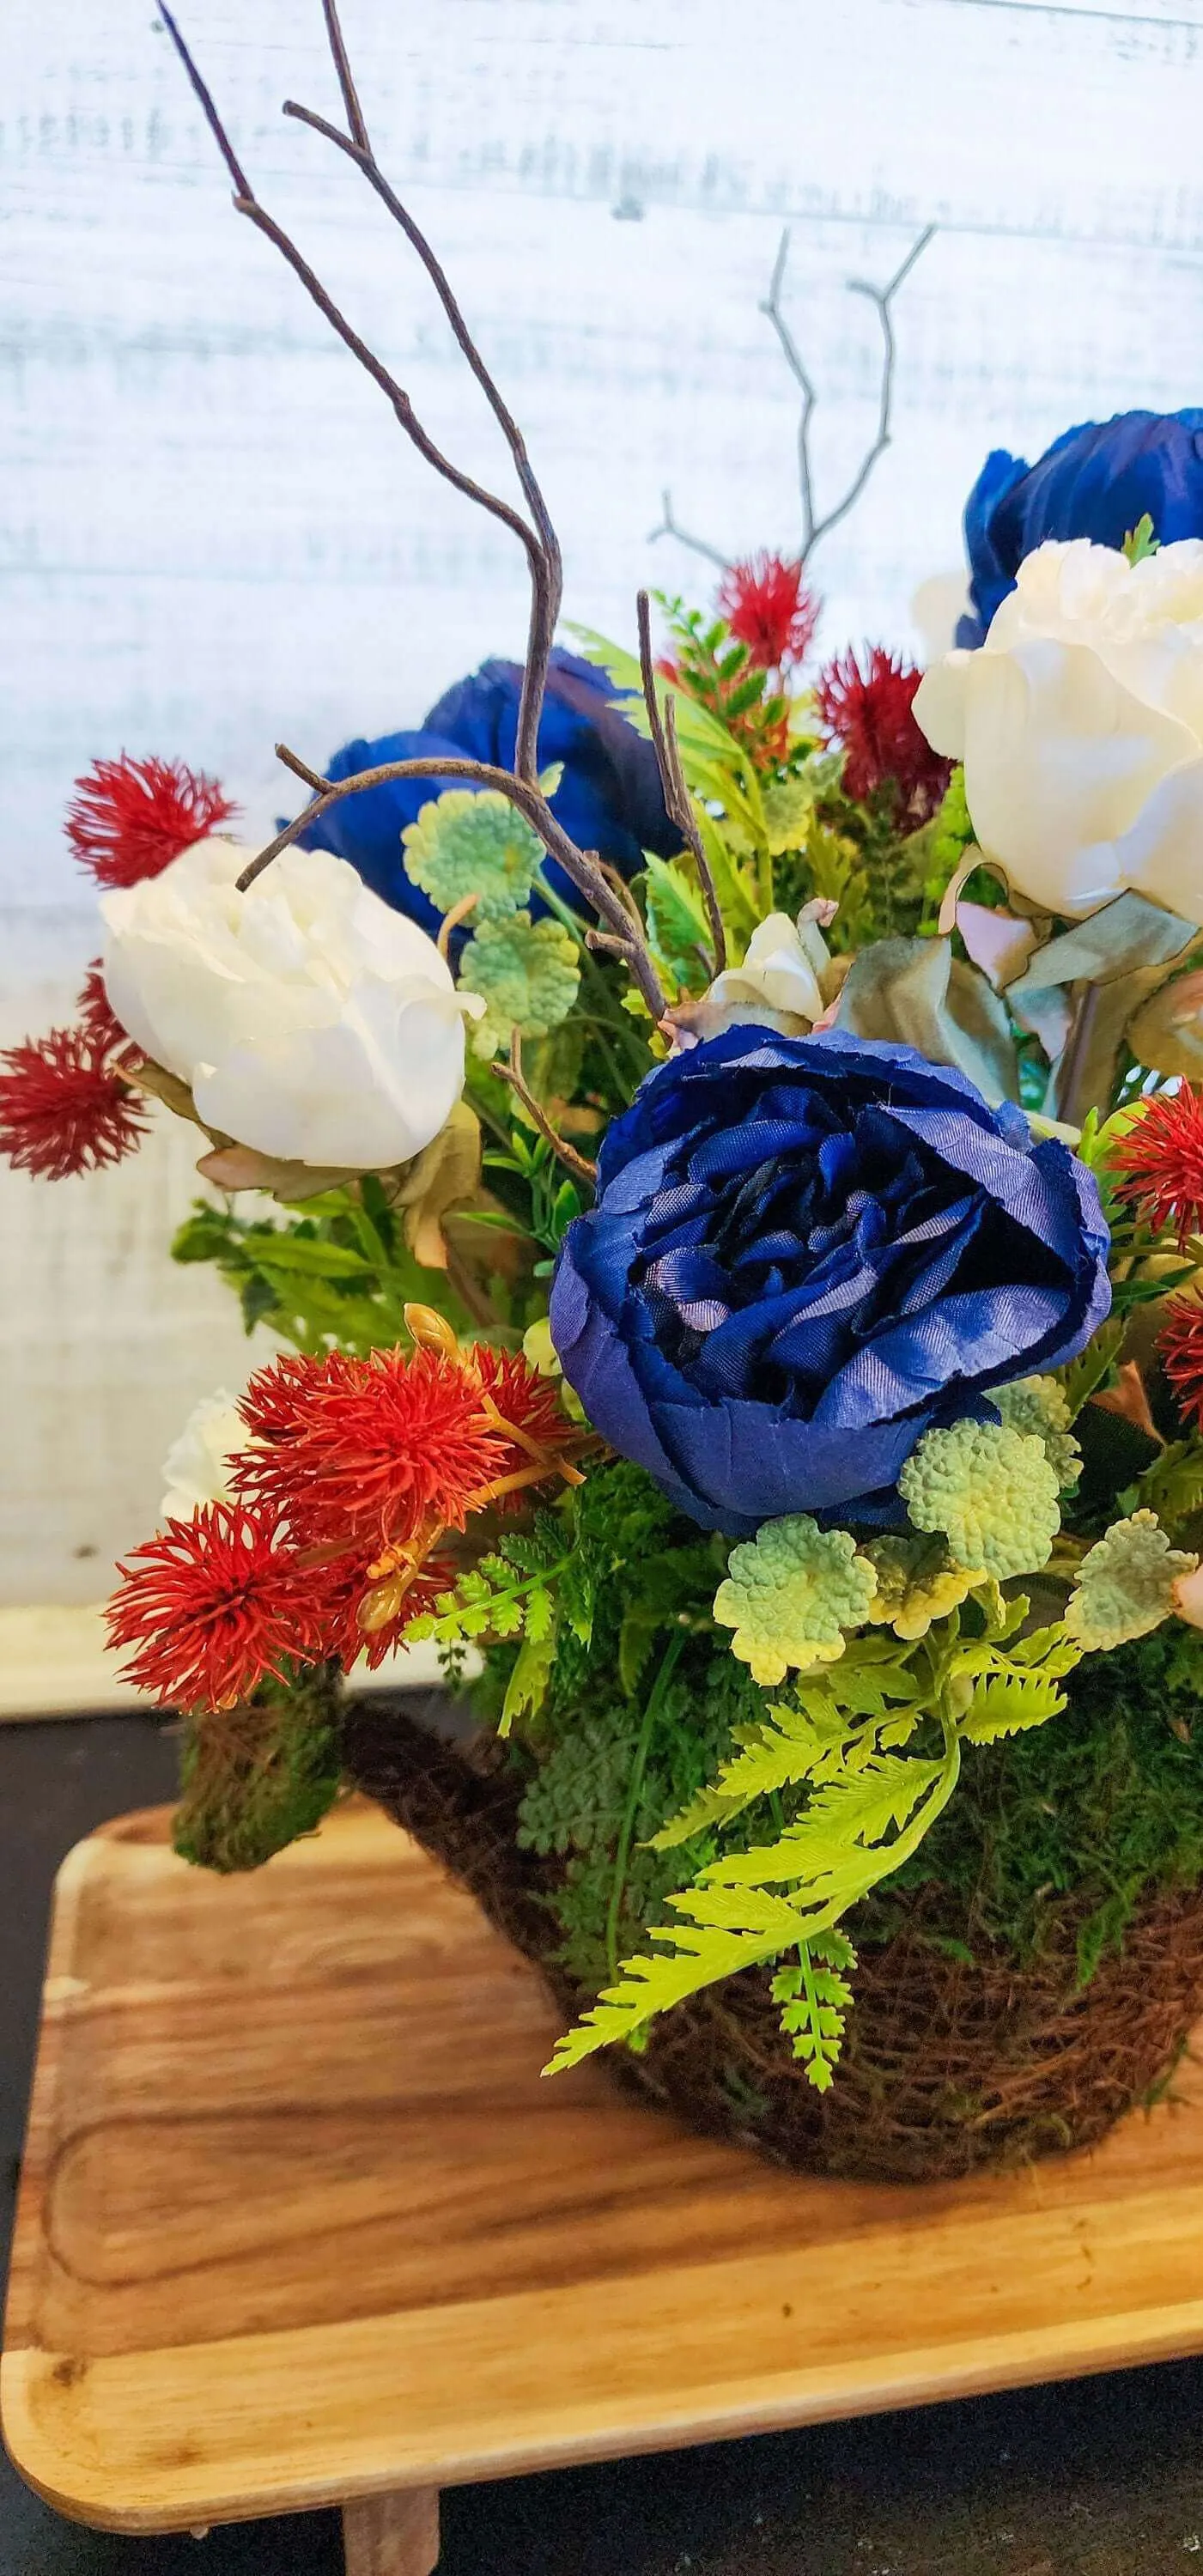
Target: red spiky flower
96 1016
65 1105
1180 1343
347 1590
768 607
130 818
212 1605
1158 1163
367 1450
869 711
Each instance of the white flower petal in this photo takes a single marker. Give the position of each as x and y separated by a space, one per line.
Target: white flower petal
310 1021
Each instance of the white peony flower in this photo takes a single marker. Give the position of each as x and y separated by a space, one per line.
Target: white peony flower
1080 723
196 1467
308 1019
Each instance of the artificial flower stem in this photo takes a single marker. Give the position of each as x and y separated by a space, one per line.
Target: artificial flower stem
655 1701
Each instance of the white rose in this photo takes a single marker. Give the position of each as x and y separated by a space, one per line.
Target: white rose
308 1019
1080 723
196 1467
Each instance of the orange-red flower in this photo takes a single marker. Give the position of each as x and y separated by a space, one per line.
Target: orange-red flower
869 711
347 1590
1180 1343
214 1604
368 1450
768 607
1158 1163
129 817
65 1106
377 1453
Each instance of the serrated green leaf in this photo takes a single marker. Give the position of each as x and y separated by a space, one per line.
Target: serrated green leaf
526 973
1008 1703
466 843
1083 1376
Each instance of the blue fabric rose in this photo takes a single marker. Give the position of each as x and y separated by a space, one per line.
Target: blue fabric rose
1097 481
609 798
805 1253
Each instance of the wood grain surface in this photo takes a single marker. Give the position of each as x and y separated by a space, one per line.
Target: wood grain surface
300 2223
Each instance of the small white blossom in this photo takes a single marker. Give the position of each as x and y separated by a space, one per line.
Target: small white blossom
196 1469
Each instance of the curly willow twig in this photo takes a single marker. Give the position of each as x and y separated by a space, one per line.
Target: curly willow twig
535 533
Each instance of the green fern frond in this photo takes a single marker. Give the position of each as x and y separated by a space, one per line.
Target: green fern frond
857 1809
1007 1703
701 1955
1173 1486
724 1928
1081 1377
815 1997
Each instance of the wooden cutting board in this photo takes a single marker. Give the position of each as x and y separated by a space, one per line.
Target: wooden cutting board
300 2223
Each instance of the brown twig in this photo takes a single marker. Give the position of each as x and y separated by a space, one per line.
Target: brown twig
668 528
678 801
355 115
547 572
538 540
578 1164
300 768
814 528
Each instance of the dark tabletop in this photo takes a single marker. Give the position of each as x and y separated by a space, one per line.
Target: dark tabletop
1100 2478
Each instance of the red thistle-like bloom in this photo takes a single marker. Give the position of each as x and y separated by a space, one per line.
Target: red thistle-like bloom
368 1450
212 1605
131 817
768 607
526 1400
1159 1163
869 712
1180 1343
65 1106
340 1590
96 1017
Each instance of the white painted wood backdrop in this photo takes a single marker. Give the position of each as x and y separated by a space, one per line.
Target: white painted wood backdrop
212 534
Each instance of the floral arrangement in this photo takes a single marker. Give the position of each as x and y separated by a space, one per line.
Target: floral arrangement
733 1192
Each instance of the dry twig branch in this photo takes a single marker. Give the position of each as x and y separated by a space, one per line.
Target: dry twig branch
578 1164
538 539
813 527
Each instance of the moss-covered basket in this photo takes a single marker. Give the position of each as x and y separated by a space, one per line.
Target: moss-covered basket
1037 1979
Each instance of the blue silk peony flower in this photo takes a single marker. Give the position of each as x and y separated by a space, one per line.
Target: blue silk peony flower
805 1253
1097 481
609 798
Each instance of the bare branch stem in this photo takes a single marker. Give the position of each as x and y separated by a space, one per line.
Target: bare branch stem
771 308
204 96
547 574
677 798
813 527
578 1164
402 407
668 528
354 112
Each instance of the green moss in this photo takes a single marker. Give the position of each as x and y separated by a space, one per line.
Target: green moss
1103 1805
255 1776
